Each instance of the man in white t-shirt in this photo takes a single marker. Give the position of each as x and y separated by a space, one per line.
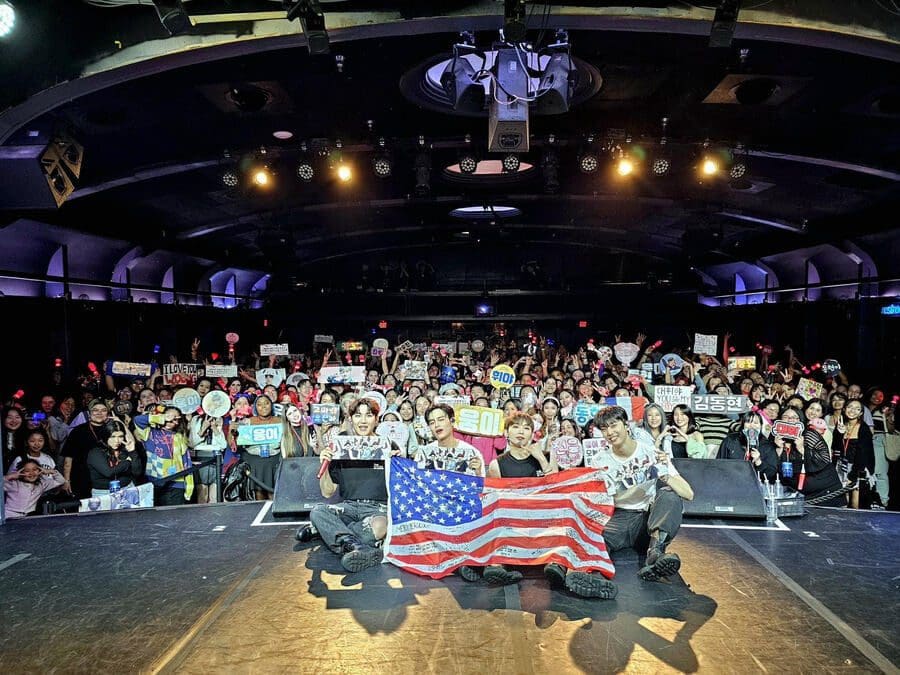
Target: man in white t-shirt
647 491
446 451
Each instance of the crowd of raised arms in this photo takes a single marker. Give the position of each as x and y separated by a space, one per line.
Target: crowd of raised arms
834 432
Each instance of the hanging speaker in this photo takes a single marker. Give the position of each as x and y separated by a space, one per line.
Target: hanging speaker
70 153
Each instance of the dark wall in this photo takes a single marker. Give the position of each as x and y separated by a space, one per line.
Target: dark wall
36 331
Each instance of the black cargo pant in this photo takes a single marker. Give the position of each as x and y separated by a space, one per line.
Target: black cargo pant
632 528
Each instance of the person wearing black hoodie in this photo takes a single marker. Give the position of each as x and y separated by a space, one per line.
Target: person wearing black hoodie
751 445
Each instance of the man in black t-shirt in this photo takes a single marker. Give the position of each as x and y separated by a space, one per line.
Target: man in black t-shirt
355 527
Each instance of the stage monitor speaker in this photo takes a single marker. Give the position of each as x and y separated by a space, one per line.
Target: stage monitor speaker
34 177
723 488
297 488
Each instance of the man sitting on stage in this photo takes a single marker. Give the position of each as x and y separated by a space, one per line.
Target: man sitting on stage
355 527
647 514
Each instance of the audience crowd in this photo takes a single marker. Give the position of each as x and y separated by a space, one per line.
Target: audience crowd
808 426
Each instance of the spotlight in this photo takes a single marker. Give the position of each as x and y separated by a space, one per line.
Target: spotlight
661 166
740 164
262 176
230 178
511 163
382 166
588 162
709 166
624 167
173 16
459 82
344 173
305 170
7 18
312 23
467 163
423 174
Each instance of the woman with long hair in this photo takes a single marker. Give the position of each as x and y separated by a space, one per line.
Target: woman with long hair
750 445
687 441
297 438
114 458
853 446
13 432
36 446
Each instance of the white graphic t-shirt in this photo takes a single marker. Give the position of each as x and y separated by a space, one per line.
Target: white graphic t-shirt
632 480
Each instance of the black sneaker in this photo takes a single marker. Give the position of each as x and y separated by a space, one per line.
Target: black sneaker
590 585
555 575
361 558
659 564
469 573
306 533
498 575
662 566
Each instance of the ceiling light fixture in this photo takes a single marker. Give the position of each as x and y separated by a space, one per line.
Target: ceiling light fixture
588 160
262 176
661 166
305 169
312 23
7 18
709 166
422 170
344 173
468 162
511 163
173 16
381 163
283 135
624 167
230 178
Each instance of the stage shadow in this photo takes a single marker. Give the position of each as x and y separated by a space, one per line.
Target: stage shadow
661 617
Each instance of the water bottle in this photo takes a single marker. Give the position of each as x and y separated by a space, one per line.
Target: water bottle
771 510
115 494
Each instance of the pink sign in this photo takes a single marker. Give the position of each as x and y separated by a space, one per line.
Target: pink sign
568 451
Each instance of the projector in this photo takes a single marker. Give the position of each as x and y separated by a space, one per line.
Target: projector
508 120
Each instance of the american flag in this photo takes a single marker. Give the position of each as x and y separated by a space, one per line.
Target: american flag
439 521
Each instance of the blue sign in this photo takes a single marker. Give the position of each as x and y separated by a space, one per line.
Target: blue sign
259 434
584 412
891 310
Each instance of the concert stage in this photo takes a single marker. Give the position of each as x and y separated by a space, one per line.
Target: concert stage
224 588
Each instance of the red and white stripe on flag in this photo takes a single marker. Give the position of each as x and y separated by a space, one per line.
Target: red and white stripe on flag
521 521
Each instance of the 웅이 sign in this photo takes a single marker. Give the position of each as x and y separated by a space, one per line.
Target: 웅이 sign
479 421
259 434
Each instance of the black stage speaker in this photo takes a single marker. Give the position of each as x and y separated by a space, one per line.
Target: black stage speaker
297 488
723 488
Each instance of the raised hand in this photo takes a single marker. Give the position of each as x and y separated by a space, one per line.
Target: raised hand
639 340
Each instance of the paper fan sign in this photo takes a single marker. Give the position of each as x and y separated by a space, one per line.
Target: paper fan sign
378 397
568 451
187 400
397 432
294 379
831 367
232 338
626 352
380 347
673 363
605 353
477 346
216 403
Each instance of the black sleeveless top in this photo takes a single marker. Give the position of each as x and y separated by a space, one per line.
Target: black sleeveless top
510 467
